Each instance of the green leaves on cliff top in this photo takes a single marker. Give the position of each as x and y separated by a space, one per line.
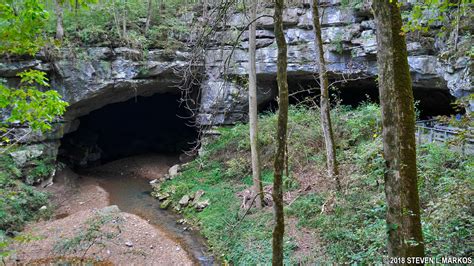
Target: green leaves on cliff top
427 13
21 26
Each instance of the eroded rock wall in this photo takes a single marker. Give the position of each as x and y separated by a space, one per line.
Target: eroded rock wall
350 51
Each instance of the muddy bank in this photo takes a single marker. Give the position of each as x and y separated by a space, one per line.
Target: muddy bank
86 226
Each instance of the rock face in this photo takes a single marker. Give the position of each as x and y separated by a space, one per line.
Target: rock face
350 51
91 78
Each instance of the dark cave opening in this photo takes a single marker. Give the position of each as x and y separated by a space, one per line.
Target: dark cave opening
154 124
429 102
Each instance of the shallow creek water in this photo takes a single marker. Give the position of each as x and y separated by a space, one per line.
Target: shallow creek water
132 195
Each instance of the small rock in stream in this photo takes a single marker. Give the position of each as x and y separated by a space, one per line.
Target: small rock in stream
162 196
165 204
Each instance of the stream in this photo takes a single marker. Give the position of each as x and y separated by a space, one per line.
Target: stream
132 195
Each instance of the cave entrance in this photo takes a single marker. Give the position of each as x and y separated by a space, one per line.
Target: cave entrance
430 102
154 124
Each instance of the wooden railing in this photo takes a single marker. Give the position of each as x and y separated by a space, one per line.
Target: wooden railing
432 131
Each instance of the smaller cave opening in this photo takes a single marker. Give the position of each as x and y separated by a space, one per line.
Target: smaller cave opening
434 102
352 93
154 124
429 102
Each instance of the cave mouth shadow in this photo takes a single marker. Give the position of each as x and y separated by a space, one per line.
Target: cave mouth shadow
429 102
154 124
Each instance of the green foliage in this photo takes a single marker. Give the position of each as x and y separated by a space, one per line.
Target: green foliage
338 43
101 24
427 13
78 3
29 105
40 169
446 186
19 202
352 3
93 235
224 171
306 208
351 226
21 25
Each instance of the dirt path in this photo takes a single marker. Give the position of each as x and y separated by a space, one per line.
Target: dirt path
87 228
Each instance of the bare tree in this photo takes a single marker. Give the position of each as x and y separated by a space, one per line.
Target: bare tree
76 6
148 16
253 116
59 19
405 237
205 5
324 102
124 21
279 164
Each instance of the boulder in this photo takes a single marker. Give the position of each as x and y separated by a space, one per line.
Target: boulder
112 209
26 153
184 201
197 196
174 171
200 205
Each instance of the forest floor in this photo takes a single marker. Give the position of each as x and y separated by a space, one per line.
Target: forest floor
322 225
86 228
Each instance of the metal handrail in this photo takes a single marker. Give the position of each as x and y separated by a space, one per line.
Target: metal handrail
427 130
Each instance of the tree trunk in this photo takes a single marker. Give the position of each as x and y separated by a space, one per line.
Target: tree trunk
325 105
405 237
116 19
257 182
59 20
205 4
124 21
279 164
149 14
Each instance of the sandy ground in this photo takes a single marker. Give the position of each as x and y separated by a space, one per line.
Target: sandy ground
86 230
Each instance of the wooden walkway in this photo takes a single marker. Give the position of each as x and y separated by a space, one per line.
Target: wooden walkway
428 131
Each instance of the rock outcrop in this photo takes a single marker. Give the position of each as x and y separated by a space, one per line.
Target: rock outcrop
350 51
90 78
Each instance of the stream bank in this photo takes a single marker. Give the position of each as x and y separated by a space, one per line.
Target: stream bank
106 215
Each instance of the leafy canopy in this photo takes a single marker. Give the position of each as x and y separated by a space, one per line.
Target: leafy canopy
426 13
21 26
